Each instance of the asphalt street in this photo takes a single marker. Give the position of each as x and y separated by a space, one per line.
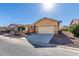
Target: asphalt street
19 47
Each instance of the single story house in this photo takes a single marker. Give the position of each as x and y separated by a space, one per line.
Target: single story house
45 25
13 28
74 21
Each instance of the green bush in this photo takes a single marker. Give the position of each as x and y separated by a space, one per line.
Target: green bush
20 29
74 29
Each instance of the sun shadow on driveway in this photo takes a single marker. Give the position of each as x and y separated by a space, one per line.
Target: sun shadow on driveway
40 40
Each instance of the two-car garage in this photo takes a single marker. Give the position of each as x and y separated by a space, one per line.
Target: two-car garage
47 30
47 25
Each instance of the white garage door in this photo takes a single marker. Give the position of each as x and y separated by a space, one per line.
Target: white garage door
48 30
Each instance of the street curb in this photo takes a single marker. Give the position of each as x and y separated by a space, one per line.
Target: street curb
71 49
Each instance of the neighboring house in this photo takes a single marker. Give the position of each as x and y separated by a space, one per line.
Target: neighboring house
45 25
74 21
13 28
4 28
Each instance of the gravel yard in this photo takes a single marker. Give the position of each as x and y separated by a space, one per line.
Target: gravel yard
65 38
75 40
61 39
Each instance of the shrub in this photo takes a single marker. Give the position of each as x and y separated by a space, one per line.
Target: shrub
74 29
21 30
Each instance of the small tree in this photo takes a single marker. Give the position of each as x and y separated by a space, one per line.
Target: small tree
74 29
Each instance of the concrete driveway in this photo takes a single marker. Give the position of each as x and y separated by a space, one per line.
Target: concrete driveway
40 38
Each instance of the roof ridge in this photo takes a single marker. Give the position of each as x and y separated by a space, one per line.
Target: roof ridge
46 18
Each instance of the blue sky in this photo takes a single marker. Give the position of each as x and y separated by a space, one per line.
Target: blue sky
30 12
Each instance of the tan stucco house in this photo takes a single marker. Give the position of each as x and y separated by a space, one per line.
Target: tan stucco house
44 25
74 21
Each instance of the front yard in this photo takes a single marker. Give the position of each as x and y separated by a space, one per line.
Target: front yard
65 38
74 39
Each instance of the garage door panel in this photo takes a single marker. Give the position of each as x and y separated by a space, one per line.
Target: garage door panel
49 29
